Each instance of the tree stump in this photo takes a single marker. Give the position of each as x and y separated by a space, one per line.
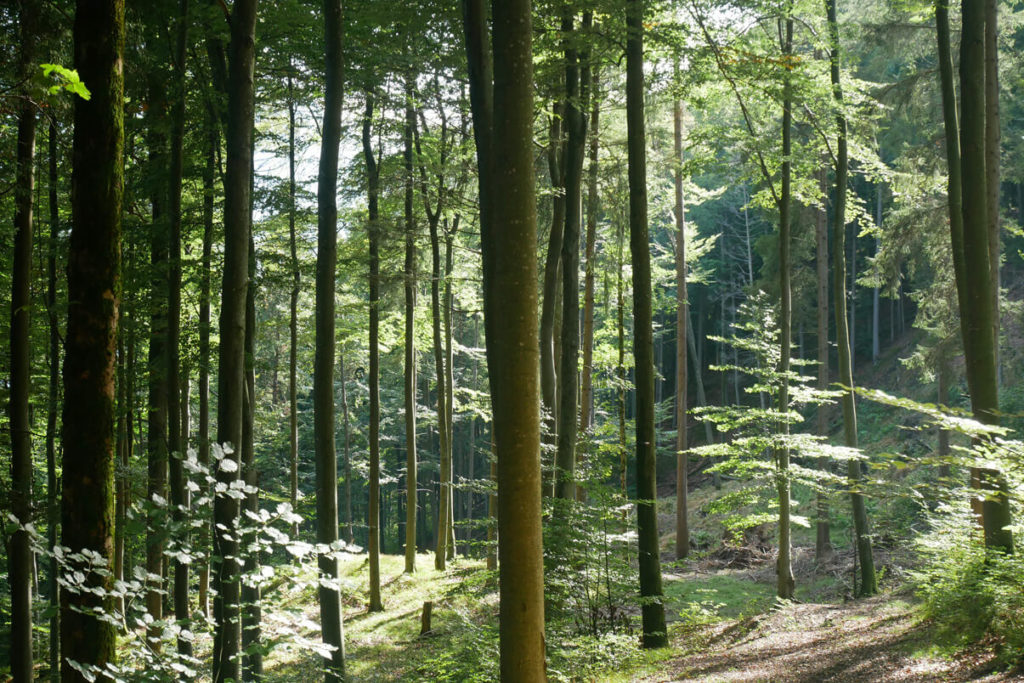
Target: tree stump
428 608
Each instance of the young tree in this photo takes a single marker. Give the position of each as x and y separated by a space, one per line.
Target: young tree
231 378
94 268
410 341
20 557
654 630
323 373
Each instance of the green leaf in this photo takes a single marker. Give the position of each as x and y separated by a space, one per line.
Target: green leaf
68 79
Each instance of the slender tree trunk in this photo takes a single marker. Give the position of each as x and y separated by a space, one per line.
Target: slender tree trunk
593 207
156 433
252 661
179 495
875 303
992 155
20 560
87 500
231 377
293 320
410 334
945 471
823 540
348 447
620 368
577 89
449 381
53 395
868 583
682 316
784 563
551 285
503 123
652 607
203 538
441 552
373 515
329 590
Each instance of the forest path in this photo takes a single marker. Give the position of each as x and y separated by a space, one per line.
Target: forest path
876 639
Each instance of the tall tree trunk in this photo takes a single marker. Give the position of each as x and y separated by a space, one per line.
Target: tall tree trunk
784 563
293 320
577 88
444 446
329 590
203 537
503 123
94 268
252 661
868 585
231 377
53 395
652 607
373 515
348 447
551 285
992 156
620 368
682 316
179 498
975 285
593 207
410 335
449 381
875 293
156 432
20 559
823 540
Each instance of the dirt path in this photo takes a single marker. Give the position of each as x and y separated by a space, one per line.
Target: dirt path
864 641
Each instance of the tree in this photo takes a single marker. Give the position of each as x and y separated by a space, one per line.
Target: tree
654 630
682 318
410 341
231 377
329 590
20 559
502 111
94 268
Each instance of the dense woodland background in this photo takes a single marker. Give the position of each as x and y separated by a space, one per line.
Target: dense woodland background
352 325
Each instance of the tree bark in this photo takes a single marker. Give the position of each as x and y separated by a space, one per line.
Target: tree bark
823 540
992 157
652 607
20 560
53 395
87 500
329 590
410 332
503 124
231 378
593 208
784 564
551 284
293 319
682 317
868 583
203 539
373 514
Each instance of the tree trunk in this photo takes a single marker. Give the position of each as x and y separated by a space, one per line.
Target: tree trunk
179 498
20 560
682 316
976 285
875 303
53 395
348 447
593 207
784 563
577 89
329 591
449 381
87 500
203 537
869 585
652 607
823 540
503 118
992 154
373 514
231 377
293 320
441 551
410 340
551 285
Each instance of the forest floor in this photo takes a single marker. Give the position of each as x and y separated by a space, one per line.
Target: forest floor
877 639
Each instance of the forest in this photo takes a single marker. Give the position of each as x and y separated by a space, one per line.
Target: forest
592 340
